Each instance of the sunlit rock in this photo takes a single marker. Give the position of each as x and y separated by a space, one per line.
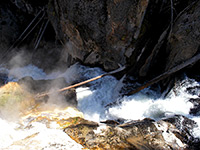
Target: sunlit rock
51 116
138 135
73 121
12 94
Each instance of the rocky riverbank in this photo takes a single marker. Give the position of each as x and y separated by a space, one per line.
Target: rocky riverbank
168 131
152 39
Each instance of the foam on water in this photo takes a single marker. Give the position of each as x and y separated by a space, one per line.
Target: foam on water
92 101
196 131
93 104
140 107
30 70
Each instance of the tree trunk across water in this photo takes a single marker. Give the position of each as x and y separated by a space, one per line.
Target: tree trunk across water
149 37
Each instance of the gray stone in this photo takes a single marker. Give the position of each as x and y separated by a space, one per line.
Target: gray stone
184 40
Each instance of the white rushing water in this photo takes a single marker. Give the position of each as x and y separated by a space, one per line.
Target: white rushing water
38 137
92 101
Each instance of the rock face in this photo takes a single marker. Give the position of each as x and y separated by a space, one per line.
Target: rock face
138 135
184 40
98 32
22 33
126 32
105 33
14 18
9 27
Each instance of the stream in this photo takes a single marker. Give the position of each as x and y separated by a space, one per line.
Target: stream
92 102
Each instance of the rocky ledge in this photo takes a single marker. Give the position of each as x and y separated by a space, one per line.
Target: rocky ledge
146 134
175 132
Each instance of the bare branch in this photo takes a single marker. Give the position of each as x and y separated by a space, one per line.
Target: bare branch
81 83
167 73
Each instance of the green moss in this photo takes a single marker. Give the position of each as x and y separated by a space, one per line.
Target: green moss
75 120
12 94
10 98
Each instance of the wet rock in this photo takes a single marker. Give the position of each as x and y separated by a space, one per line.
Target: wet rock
110 122
70 97
196 109
39 86
3 78
42 139
138 135
73 121
184 40
194 90
185 126
42 86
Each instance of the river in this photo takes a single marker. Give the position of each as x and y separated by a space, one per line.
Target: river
92 101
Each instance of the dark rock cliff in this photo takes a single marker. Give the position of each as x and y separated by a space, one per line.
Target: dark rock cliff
149 37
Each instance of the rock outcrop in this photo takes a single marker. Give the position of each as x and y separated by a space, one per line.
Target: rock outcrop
138 135
25 32
98 32
14 101
12 93
42 86
184 40
149 37
143 35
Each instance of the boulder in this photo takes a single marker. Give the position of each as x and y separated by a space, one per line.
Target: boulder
196 109
45 86
39 86
138 135
70 97
3 78
13 96
185 127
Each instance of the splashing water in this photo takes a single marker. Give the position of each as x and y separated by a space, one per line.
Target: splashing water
92 100
38 137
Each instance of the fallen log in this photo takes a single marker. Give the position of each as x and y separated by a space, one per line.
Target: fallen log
38 96
167 73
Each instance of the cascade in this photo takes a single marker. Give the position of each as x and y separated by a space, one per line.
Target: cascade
41 128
